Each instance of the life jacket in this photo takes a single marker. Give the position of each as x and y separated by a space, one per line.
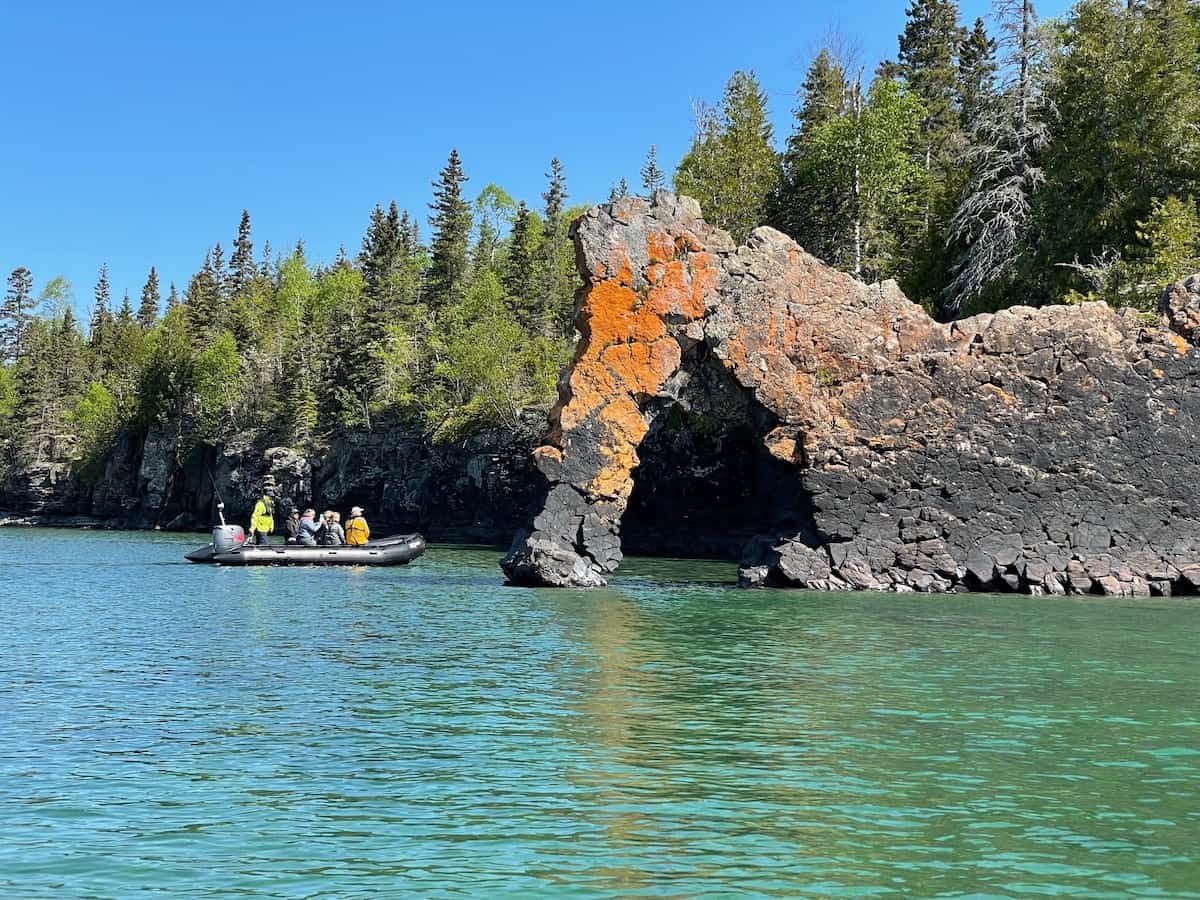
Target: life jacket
263 517
357 531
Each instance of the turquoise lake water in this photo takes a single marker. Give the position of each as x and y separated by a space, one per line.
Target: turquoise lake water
182 729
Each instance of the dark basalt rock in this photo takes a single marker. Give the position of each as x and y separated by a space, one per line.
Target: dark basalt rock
1043 450
476 489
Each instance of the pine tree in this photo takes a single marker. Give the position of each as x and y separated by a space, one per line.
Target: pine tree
379 258
267 267
172 297
652 176
976 73
203 300
218 273
147 313
518 277
98 332
927 63
451 223
16 316
243 269
125 314
731 167
557 292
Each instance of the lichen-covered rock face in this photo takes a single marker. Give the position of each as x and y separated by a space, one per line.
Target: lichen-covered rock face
1047 450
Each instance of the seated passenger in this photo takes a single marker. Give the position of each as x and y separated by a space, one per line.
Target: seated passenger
332 534
357 530
307 531
293 526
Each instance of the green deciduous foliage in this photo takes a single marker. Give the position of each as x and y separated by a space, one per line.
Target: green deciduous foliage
857 159
94 419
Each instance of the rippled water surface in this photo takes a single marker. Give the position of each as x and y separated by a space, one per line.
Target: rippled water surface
425 731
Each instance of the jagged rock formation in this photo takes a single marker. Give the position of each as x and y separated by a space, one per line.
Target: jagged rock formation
1047 450
473 490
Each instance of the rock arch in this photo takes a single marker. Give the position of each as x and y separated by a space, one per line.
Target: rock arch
1049 450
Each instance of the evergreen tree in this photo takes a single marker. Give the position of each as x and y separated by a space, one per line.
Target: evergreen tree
125 314
267 267
172 297
243 269
100 331
927 62
379 258
202 298
147 313
732 168
557 292
652 176
217 271
451 223
16 316
518 278
976 73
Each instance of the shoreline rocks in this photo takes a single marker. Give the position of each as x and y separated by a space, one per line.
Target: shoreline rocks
1043 450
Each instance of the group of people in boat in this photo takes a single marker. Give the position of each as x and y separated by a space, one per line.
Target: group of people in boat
307 529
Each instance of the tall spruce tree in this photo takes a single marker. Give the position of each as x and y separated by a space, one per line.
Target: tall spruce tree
652 176
147 313
98 332
928 63
518 276
242 268
976 73
16 316
218 273
125 314
451 224
731 168
556 293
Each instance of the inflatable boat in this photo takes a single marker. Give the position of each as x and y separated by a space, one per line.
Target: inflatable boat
229 548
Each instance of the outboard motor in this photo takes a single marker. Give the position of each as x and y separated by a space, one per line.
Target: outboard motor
227 537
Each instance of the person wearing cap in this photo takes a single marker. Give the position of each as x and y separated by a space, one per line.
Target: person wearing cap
262 520
357 530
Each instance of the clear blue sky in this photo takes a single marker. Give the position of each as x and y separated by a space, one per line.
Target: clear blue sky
135 135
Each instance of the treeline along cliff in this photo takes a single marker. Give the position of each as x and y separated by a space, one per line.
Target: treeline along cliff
1004 162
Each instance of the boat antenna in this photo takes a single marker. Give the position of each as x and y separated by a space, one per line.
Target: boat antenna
217 494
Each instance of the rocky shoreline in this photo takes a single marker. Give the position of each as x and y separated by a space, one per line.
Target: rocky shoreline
1049 451
472 491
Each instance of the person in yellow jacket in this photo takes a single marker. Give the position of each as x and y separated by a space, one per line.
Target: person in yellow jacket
357 530
262 520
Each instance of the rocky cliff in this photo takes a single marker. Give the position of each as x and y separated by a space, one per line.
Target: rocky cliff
472 490
1046 450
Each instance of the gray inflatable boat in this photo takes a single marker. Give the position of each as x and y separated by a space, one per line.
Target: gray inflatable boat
228 549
